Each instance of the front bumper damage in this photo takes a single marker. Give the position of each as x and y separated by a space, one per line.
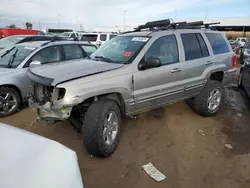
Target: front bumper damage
50 112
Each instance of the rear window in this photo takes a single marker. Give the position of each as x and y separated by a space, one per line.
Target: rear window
89 37
218 43
194 46
103 37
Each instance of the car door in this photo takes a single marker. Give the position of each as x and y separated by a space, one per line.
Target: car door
158 86
197 61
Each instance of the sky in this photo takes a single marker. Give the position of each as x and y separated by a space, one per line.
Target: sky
104 13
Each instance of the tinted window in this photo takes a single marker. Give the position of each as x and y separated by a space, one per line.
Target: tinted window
89 37
218 43
73 52
48 55
165 48
73 35
103 37
203 45
89 49
112 36
16 55
191 46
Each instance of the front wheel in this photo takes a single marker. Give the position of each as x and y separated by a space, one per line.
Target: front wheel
10 101
210 100
101 128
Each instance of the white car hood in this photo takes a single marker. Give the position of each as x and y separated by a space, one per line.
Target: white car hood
31 161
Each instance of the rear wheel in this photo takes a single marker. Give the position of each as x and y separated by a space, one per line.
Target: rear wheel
101 128
10 101
210 100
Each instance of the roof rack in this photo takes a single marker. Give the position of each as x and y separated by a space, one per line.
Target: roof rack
56 38
166 24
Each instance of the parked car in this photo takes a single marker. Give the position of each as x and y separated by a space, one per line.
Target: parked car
28 160
133 73
97 38
244 76
5 32
240 44
245 52
73 35
14 83
16 39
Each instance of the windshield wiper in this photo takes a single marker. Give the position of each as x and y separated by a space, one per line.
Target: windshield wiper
7 51
12 59
105 59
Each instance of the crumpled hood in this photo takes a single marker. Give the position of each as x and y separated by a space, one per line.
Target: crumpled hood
56 73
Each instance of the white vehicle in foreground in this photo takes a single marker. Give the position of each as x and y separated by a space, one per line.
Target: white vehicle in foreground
28 160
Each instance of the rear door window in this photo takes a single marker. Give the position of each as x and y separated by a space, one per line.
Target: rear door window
73 52
191 46
48 55
203 45
89 37
218 43
103 37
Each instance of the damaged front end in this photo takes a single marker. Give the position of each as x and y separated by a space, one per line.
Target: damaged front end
47 101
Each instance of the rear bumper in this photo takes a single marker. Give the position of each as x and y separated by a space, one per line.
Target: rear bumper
229 77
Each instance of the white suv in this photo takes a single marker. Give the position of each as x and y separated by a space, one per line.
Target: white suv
97 38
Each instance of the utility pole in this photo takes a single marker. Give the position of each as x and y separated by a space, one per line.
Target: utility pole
124 21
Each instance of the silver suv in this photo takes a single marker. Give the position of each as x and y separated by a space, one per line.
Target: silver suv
158 64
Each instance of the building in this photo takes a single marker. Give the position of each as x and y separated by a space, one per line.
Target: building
233 27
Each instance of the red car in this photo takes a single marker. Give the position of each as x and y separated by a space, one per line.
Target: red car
5 32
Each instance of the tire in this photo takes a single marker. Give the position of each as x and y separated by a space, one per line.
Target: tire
15 98
200 103
93 128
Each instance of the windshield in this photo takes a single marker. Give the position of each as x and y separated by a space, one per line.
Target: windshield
64 35
121 49
19 53
9 41
89 37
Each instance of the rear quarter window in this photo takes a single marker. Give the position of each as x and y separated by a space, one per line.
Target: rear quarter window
218 43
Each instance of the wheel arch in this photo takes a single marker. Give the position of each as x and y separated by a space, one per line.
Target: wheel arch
15 88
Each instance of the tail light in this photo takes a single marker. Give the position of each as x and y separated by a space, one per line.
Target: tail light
234 60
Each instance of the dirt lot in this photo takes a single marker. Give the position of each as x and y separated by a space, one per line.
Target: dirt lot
169 139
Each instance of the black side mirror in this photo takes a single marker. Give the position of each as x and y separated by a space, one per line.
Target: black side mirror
151 62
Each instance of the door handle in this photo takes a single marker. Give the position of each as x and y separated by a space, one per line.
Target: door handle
208 63
176 70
